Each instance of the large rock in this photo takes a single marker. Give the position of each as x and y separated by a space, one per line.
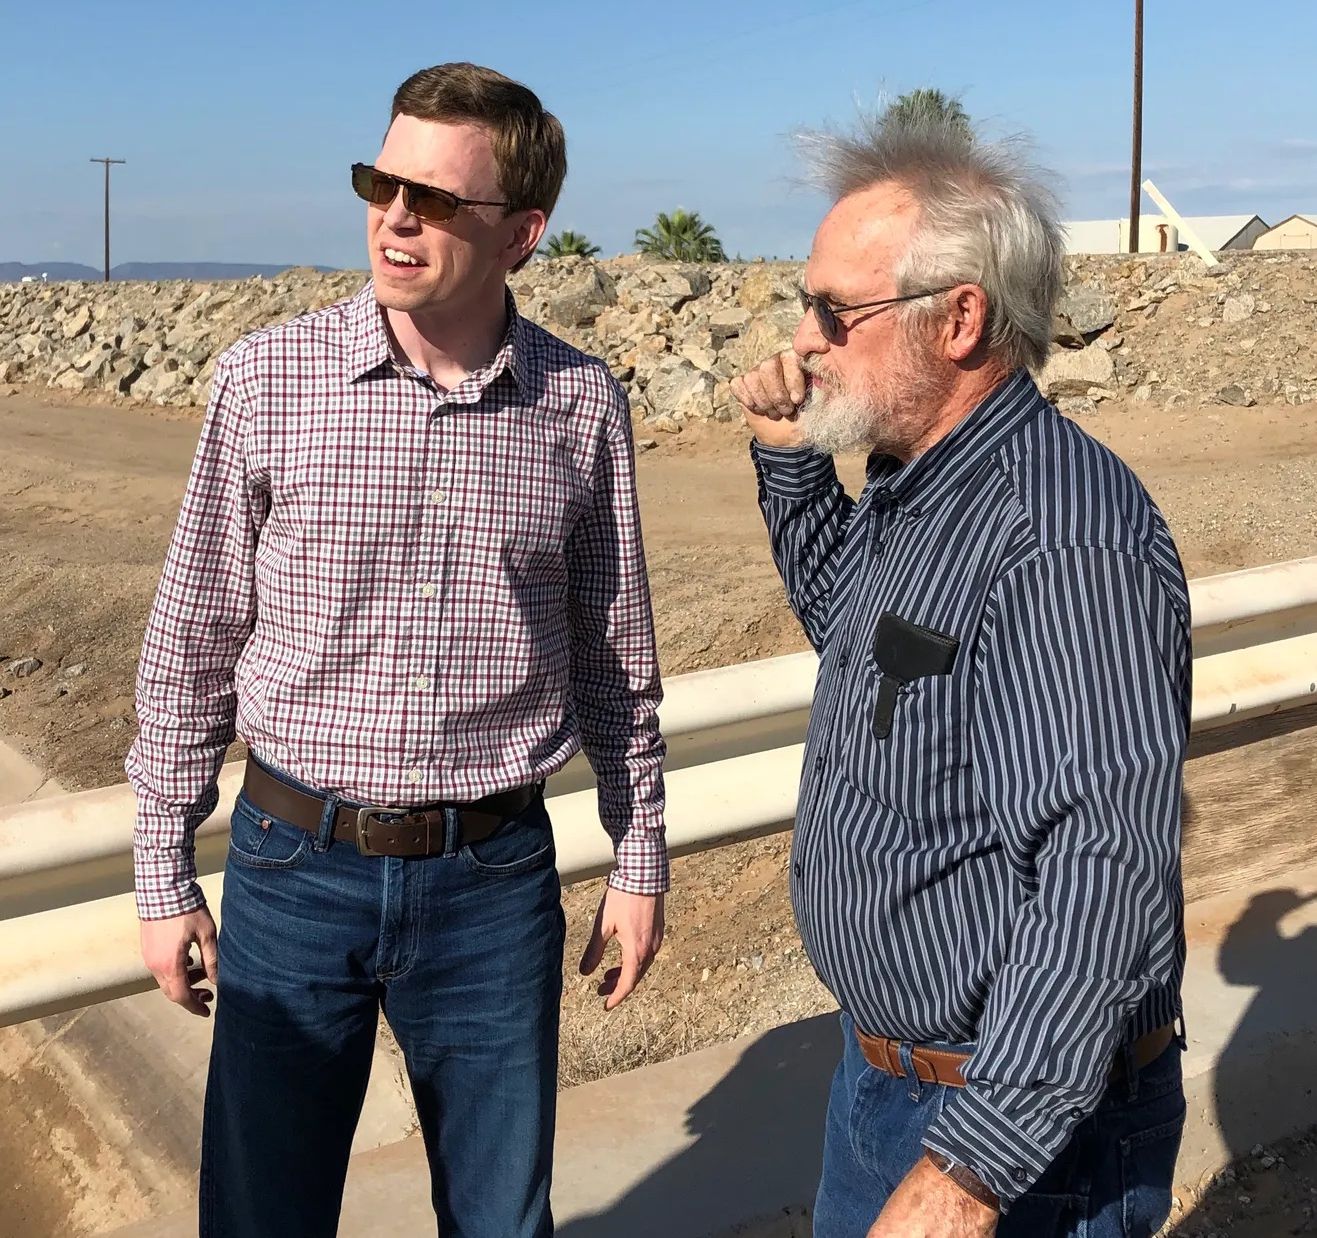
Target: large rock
77 322
768 333
73 379
762 287
726 324
1236 395
1090 312
127 330
678 285
96 364
699 355
582 295
1237 309
1065 334
162 385
678 390
625 326
185 335
124 375
1074 371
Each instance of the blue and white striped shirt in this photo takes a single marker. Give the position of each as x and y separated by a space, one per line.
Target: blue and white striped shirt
1002 866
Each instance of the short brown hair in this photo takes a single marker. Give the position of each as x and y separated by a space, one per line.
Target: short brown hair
529 146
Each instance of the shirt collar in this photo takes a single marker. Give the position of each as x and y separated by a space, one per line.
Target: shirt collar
368 340
514 355
369 347
953 460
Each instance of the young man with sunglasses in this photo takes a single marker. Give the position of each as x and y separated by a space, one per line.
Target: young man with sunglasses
985 864
408 573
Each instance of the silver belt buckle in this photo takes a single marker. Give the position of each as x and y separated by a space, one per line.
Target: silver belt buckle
361 827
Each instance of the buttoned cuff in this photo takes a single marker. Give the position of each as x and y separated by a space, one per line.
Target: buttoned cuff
792 472
1008 1141
642 862
165 882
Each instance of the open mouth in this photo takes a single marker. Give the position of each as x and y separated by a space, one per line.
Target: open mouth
400 259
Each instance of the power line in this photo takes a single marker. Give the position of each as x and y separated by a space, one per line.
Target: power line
107 163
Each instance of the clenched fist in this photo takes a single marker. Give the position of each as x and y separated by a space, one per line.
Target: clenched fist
770 395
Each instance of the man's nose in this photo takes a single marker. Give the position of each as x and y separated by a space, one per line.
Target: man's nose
808 339
397 216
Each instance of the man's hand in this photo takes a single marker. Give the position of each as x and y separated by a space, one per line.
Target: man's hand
165 947
636 920
927 1204
770 395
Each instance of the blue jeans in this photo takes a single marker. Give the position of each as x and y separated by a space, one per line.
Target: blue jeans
1112 1180
462 952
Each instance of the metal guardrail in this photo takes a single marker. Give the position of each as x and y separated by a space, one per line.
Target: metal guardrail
68 926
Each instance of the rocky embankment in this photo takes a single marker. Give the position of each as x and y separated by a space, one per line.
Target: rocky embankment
1162 329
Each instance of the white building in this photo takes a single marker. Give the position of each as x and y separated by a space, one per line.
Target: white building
1157 234
1296 232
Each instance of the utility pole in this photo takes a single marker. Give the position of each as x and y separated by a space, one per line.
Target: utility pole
1136 160
107 163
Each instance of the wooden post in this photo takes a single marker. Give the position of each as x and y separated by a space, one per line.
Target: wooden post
107 163
1136 155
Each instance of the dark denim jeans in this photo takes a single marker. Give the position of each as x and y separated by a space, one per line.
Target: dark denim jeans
461 951
1112 1180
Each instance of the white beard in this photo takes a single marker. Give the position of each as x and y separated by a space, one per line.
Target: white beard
888 413
835 422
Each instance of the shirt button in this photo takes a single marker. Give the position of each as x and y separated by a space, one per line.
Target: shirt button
421 682
1019 1175
795 868
437 496
818 761
841 660
413 775
428 590
1076 1114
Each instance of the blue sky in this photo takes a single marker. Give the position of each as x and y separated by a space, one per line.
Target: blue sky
239 119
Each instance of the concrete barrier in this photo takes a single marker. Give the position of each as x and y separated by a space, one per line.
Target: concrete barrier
735 732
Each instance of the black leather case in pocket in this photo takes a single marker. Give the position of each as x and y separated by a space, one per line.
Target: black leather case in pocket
904 651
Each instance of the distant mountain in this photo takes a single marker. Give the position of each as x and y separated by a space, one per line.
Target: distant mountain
10 271
200 270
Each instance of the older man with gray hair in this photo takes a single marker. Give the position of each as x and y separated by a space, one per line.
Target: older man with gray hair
985 867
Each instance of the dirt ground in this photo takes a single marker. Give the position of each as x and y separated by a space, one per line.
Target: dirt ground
88 496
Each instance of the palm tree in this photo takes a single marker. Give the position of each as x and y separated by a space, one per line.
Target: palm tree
927 103
681 237
568 244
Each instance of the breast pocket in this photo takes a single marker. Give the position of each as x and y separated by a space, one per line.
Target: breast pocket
907 738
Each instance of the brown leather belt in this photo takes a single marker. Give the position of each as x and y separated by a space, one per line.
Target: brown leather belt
378 830
945 1065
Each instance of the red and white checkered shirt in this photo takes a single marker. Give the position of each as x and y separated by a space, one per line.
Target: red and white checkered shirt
401 594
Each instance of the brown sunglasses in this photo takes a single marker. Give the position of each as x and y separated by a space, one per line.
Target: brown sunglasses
424 201
832 328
